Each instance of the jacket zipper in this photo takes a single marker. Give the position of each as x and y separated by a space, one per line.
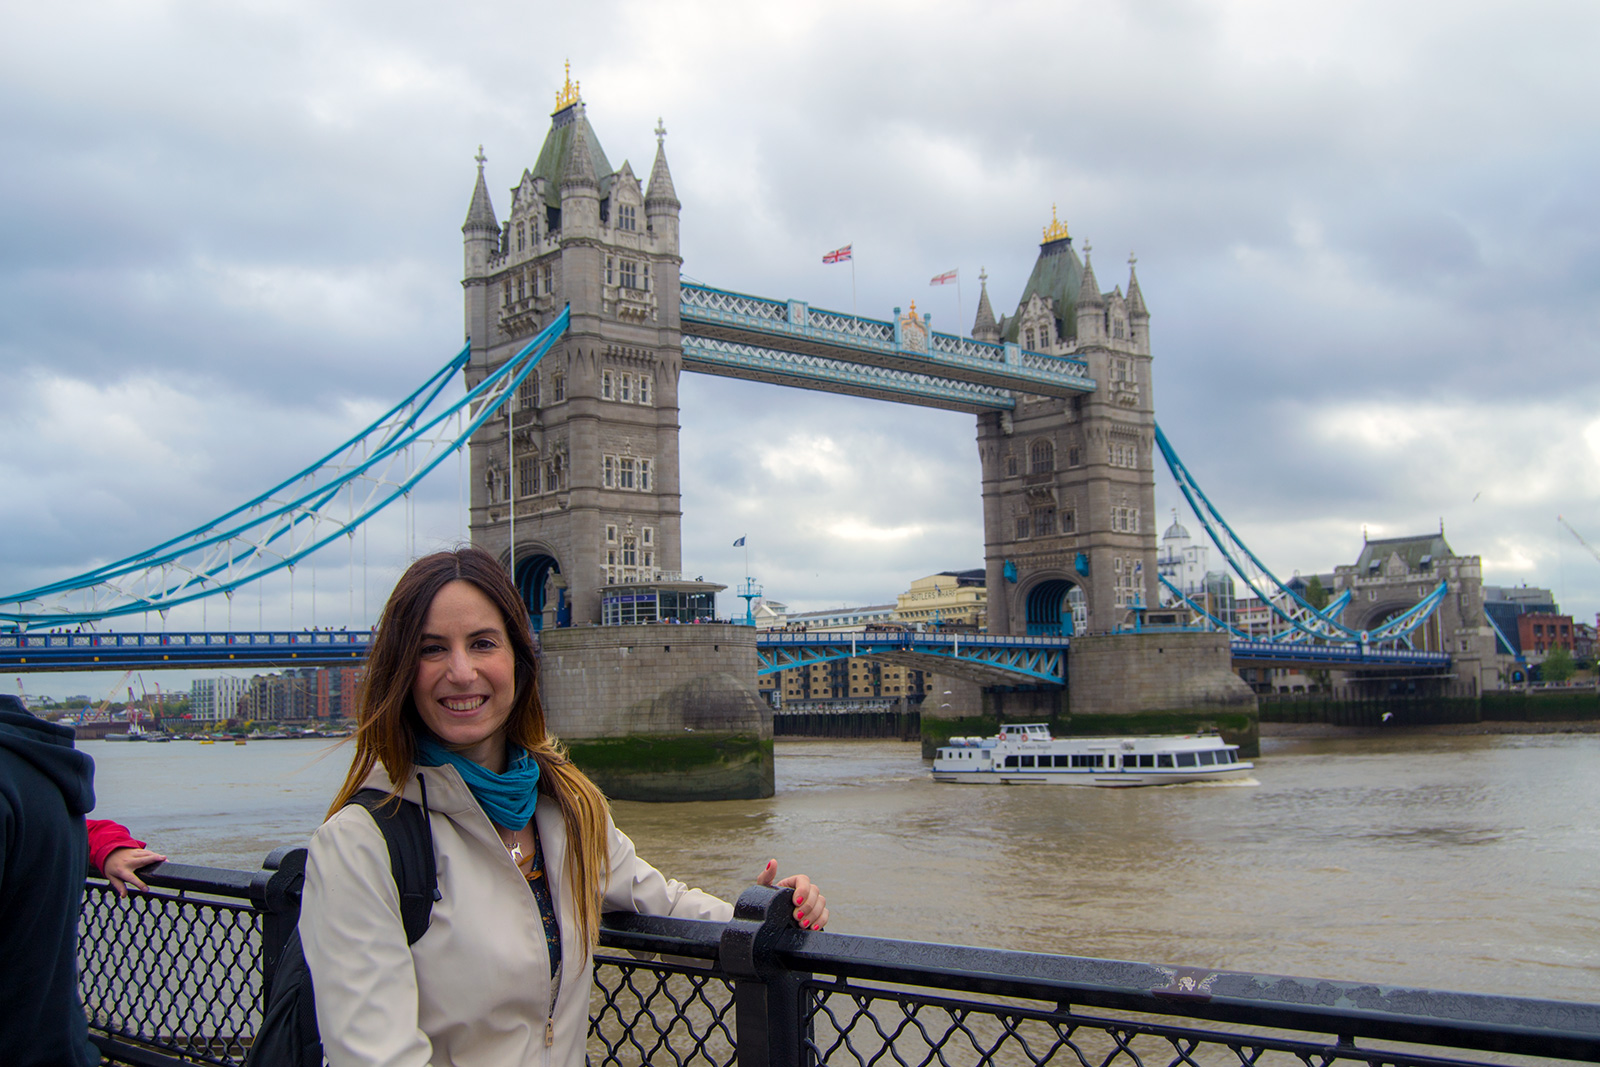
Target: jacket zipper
555 991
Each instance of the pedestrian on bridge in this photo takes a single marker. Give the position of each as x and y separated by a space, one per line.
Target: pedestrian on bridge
526 851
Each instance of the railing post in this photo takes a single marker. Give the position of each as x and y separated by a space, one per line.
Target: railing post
285 873
768 998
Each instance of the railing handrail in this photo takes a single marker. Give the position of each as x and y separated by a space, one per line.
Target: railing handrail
763 946
1490 1022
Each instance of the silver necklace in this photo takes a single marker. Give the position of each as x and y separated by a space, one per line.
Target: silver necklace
515 848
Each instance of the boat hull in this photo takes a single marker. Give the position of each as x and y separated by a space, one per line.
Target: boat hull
1104 779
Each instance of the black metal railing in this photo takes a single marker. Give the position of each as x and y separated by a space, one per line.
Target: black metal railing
176 976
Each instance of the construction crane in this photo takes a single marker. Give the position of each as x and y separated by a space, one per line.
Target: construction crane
1595 552
100 713
23 693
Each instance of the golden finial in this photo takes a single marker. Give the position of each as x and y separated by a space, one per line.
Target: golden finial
569 92
913 309
1057 230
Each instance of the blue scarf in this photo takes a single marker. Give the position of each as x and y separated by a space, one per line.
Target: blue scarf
508 799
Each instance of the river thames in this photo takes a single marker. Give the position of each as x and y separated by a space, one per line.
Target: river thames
1468 863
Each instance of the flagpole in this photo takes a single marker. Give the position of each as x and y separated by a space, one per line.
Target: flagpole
853 282
961 314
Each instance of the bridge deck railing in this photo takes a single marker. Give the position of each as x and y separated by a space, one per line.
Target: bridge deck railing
176 976
184 639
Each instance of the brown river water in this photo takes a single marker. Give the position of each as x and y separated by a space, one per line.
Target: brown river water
1469 863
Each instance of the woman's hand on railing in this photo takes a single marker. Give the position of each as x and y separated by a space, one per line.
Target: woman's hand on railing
811 907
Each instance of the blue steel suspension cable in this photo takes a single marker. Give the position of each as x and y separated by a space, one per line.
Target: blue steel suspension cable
1399 627
433 386
1335 606
1196 607
496 387
1191 490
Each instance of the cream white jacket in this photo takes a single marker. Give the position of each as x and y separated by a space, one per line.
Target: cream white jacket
476 988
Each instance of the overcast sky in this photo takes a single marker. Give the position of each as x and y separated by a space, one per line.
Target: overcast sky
1367 234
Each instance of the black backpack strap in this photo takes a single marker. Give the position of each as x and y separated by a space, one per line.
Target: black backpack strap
409 835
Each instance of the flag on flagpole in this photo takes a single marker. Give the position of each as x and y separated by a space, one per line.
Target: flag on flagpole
947 278
838 255
739 543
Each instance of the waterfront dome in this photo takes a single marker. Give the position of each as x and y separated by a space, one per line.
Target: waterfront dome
1176 532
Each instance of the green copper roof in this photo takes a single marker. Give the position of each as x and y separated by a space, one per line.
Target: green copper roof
558 145
1057 274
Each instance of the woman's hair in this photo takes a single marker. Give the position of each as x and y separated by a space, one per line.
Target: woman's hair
388 723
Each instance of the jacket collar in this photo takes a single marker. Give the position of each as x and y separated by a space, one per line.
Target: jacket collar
447 793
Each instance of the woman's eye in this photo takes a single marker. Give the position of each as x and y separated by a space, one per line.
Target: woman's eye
485 643
432 650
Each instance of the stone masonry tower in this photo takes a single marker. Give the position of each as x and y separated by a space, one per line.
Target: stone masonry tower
577 485
1069 484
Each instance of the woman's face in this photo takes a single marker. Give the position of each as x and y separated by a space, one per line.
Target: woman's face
466 674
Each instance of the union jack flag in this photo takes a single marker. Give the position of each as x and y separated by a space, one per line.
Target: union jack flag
838 255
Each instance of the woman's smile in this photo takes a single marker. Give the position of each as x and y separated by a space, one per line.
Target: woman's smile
466 674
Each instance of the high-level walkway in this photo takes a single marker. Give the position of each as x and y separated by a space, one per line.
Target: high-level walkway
791 343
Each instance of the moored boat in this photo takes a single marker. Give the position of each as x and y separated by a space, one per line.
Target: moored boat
1026 754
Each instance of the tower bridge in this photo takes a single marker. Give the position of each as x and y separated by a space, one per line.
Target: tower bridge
579 327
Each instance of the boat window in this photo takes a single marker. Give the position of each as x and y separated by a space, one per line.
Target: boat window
1206 758
1063 761
1186 759
1011 761
1027 761
1226 756
1147 760
1164 759
1081 760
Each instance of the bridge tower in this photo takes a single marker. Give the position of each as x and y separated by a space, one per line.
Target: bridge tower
576 487
1070 525
1069 484
581 473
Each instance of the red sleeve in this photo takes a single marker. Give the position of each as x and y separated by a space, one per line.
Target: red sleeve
105 837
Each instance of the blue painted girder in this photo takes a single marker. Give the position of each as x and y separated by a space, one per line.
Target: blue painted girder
795 327
984 658
1346 656
183 651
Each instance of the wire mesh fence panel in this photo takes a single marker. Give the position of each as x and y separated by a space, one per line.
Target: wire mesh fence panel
879 1027
661 1014
171 972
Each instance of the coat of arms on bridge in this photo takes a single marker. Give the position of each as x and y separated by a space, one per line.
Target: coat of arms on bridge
912 330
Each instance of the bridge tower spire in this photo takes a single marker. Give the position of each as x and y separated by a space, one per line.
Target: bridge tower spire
589 458
480 236
984 326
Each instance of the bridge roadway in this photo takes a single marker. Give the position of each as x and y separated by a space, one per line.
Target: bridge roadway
791 343
187 651
987 659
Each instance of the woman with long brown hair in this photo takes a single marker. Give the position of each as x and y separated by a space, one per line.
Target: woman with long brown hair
527 854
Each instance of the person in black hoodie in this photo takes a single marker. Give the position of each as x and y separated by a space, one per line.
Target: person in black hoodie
46 787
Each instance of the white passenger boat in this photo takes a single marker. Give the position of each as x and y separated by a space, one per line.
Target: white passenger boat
1026 754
